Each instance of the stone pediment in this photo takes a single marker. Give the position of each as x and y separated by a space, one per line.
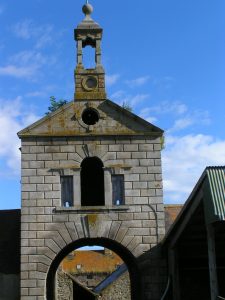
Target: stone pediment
113 121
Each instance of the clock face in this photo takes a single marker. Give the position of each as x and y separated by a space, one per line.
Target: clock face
90 83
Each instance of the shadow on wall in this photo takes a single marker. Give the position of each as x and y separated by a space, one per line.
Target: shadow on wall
10 255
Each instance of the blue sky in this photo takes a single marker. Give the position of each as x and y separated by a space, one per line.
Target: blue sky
166 58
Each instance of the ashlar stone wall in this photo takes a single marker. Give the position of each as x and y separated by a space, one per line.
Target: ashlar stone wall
47 227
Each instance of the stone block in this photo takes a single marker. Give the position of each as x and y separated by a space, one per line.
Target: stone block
52 149
37 179
149 239
157 147
132 147
28 283
132 193
25 164
37 149
51 244
28 172
53 195
44 187
36 243
29 187
147 177
149 223
154 154
125 216
154 169
120 234
147 192
36 195
147 162
44 156
36 210
131 177
146 147
141 216
44 202
140 170
52 179
59 156
116 148
140 200
123 155
60 218
126 240
44 218
36 291
28 157
139 185
36 164
138 231
138 155
67 148
36 226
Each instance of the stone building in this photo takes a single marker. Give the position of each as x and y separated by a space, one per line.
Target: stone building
91 175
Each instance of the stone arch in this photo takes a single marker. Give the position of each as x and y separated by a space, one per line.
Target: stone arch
123 252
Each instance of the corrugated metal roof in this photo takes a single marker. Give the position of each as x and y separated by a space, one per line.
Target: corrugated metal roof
216 179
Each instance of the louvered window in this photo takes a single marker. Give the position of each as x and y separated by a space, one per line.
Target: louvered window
67 191
118 189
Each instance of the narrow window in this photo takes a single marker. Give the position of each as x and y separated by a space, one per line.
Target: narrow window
92 182
67 191
118 190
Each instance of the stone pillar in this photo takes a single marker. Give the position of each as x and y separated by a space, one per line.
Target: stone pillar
77 187
79 52
108 187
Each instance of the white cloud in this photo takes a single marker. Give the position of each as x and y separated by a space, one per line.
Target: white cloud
166 107
27 29
13 117
111 79
24 64
138 81
191 118
184 159
15 71
133 100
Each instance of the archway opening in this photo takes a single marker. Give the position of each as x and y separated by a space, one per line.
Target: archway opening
92 182
94 273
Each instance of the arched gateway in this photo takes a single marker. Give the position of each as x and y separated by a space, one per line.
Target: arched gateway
91 174
123 252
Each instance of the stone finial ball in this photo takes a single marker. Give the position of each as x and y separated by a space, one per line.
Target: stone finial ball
87 9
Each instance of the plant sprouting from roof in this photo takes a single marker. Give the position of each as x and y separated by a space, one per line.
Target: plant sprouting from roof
55 104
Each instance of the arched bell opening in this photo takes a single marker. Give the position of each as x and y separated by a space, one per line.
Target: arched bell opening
92 182
126 256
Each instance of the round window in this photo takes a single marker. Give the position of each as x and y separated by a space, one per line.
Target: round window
90 116
90 83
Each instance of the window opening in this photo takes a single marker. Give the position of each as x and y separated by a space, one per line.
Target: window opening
90 116
118 197
89 57
92 182
66 191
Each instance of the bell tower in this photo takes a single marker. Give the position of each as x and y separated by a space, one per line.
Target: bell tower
90 83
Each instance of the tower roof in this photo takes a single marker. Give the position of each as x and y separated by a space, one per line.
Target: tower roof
88 23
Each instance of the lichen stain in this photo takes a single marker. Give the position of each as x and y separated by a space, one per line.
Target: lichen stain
92 219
